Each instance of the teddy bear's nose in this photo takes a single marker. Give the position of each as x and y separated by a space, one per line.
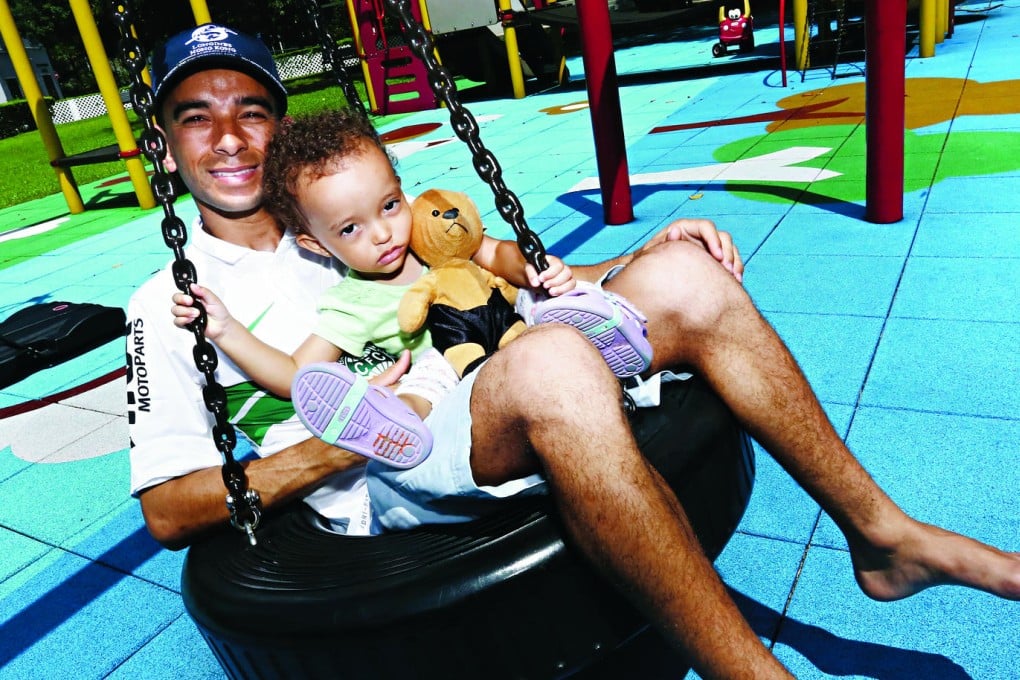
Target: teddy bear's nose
451 214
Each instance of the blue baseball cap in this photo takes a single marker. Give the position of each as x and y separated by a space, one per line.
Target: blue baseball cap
213 46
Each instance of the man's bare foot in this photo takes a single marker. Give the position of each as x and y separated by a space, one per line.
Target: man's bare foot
929 556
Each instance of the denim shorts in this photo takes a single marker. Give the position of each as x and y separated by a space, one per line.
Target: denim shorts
440 489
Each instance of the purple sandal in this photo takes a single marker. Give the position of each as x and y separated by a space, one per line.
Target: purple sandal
342 409
610 322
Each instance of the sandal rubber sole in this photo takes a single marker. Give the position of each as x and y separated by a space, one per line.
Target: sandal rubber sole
342 409
611 323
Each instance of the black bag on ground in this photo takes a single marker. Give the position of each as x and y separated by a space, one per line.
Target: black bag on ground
50 333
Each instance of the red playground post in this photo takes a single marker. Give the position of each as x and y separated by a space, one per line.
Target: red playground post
884 107
604 102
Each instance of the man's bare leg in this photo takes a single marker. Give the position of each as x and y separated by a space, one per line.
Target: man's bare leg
547 401
699 316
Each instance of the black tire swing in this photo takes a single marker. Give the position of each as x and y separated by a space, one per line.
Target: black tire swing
499 597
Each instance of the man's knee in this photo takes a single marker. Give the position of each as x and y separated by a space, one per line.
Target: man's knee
548 352
534 384
543 364
679 284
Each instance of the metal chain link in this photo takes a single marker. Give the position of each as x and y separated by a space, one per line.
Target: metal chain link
243 504
466 128
336 60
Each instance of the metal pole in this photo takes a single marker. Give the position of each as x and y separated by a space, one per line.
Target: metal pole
782 39
373 103
41 114
200 10
941 20
513 55
606 118
801 34
884 105
928 14
114 107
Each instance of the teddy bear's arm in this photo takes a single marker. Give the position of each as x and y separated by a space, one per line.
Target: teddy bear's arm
509 291
414 306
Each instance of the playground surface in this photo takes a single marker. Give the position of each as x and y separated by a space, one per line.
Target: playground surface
909 332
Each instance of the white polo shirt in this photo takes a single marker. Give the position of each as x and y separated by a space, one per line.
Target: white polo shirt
274 294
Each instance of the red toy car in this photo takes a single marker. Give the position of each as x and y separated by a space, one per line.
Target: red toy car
736 27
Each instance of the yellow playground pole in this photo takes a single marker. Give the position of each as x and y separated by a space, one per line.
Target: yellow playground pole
111 96
427 24
801 34
941 20
201 11
41 114
512 54
373 105
928 19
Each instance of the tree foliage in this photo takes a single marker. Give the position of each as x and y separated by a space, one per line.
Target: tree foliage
282 24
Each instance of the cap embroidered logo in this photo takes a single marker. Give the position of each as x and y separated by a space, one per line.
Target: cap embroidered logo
215 46
210 33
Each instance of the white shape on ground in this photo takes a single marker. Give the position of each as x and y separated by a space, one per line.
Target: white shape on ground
33 230
771 167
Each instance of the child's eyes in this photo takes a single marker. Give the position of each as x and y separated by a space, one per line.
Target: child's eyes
348 230
391 205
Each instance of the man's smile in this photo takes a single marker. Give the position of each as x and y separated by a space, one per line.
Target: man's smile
238 174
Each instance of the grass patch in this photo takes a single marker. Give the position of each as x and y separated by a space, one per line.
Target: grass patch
25 172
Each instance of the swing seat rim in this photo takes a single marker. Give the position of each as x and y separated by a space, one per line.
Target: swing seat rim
507 574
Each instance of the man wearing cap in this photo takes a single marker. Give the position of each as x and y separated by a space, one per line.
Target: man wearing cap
219 100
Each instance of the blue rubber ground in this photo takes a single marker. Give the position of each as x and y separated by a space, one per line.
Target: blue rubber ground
909 332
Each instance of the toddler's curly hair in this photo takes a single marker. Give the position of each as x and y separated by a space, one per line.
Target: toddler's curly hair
307 148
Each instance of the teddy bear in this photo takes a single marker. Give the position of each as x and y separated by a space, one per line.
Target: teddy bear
468 310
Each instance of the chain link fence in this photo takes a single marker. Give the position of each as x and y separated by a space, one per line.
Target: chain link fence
291 66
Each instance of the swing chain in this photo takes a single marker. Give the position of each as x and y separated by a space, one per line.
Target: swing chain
251 501
466 128
243 504
332 53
